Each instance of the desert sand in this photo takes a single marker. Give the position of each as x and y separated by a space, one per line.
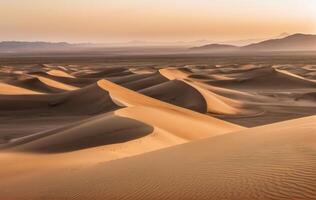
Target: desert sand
268 162
157 131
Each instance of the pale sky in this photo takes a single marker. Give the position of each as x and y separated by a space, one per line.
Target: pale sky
154 20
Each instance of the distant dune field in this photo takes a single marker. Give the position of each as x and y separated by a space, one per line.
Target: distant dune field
231 130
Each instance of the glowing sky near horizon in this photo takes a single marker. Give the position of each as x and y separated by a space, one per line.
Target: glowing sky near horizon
163 20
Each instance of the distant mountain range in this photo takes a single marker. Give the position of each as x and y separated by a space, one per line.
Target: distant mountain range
295 42
15 46
292 42
216 47
285 42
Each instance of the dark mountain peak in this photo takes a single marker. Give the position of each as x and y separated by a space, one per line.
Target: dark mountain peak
299 35
283 35
293 42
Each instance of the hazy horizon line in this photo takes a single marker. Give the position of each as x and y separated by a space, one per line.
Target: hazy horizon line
161 42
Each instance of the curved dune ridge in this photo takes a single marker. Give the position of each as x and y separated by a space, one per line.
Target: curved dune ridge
8 89
59 73
218 104
215 103
75 82
35 84
265 78
173 73
142 70
294 75
107 72
85 101
146 109
269 162
102 130
178 93
32 84
242 77
138 81
56 84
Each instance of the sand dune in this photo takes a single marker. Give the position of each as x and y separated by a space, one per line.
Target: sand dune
294 75
14 90
200 123
59 73
126 79
242 96
56 84
142 70
309 67
219 104
108 72
87 101
40 82
178 93
35 84
75 82
102 130
23 115
244 77
269 162
146 82
173 73
264 78
215 103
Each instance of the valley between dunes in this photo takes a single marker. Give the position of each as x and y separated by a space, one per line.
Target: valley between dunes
89 131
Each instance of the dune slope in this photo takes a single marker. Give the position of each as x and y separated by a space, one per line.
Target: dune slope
268 162
35 84
178 93
101 130
88 100
8 89
59 73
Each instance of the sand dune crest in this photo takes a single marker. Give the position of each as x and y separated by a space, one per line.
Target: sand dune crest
14 90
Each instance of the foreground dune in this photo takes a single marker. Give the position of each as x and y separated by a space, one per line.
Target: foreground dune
268 162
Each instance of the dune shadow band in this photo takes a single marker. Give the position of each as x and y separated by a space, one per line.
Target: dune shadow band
103 130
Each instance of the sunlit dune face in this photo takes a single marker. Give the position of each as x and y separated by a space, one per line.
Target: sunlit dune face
113 20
